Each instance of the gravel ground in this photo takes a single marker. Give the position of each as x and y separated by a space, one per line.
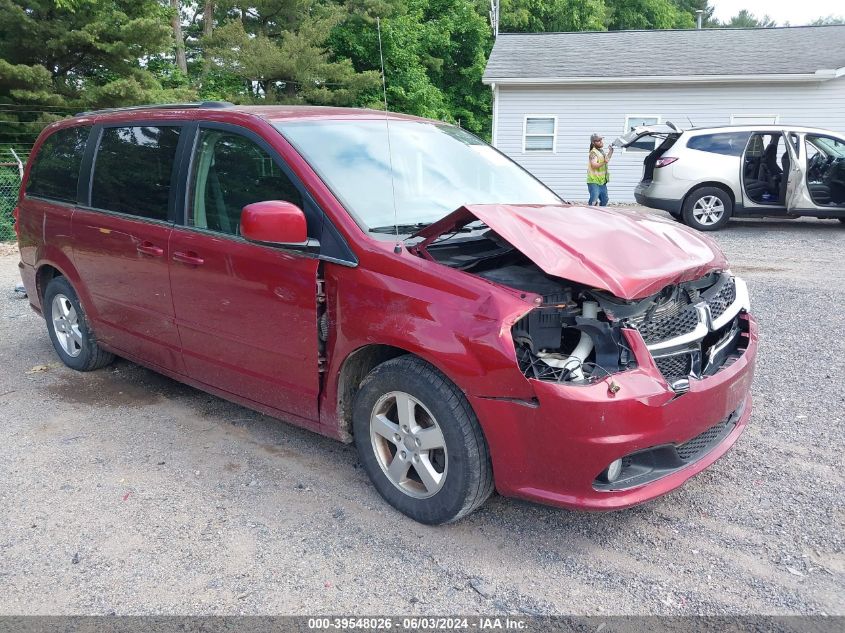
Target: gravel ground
125 492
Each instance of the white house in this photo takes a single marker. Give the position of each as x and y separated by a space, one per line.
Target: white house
552 90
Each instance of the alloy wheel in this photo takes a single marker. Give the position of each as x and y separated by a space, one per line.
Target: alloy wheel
408 444
708 210
66 325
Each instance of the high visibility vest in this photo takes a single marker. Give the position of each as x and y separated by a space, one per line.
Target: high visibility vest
597 175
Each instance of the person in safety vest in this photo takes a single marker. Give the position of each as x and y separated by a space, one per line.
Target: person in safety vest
597 175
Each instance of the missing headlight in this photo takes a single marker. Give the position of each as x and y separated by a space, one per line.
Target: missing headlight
568 342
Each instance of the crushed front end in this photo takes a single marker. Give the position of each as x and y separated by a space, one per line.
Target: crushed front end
691 330
639 349
661 383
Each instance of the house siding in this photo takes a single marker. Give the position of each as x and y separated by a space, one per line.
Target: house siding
581 110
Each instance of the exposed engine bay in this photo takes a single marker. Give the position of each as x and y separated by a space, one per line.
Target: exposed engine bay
575 335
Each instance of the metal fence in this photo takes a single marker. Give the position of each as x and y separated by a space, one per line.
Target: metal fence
20 124
11 172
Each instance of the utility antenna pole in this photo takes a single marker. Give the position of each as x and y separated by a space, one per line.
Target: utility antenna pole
494 17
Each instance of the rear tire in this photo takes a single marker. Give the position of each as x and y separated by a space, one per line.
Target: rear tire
707 209
432 462
69 330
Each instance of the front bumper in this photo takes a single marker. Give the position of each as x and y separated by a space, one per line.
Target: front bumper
552 451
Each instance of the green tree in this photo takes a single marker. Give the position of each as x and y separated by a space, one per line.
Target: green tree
60 57
747 20
406 62
92 52
647 14
278 49
830 19
692 6
532 16
434 55
459 43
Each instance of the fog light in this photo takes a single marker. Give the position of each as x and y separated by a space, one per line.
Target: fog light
613 471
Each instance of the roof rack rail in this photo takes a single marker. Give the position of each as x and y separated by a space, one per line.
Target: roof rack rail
161 106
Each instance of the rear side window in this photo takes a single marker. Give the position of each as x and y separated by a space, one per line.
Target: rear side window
133 170
726 143
55 172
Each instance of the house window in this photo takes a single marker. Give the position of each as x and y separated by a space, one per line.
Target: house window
754 119
646 143
539 133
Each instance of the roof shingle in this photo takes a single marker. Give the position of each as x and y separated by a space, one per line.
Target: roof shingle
774 51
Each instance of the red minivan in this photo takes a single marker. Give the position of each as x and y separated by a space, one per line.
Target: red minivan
395 282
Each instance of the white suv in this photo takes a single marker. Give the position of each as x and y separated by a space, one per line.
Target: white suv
703 176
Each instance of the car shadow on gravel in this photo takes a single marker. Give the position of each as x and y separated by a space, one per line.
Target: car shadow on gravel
127 385
122 384
802 224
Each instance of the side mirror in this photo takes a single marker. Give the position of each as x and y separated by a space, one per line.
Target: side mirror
274 222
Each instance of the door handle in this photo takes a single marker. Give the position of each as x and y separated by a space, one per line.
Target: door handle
148 248
190 258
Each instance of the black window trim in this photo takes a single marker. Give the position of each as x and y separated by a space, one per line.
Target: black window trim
90 162
331 246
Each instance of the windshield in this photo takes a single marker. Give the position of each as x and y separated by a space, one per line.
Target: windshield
829 146
437 168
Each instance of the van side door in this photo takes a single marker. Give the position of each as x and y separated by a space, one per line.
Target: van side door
120 238
246 313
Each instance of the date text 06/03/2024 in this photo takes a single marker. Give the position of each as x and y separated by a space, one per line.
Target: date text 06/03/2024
418 623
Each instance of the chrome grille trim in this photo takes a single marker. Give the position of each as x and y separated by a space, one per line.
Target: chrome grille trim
701 330
741 302
713 316
706 323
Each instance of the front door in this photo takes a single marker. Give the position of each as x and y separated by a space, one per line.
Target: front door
797 193
246 313
120 242
826 171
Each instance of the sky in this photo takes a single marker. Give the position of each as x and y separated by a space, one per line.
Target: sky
792 11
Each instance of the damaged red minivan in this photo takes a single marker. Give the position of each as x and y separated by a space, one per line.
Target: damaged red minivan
398 283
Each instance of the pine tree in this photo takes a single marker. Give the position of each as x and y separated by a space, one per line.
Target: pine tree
278 50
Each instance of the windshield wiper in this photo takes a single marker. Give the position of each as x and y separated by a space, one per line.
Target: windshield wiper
405 229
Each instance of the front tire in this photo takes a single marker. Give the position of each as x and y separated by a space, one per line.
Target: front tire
420 442
707 209
69 330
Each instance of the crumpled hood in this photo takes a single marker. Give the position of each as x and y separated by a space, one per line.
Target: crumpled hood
627 253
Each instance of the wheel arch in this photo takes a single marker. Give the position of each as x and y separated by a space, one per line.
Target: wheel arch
711 183
355 368
54 262
43 276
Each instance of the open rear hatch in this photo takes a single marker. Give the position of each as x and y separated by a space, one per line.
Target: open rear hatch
668 131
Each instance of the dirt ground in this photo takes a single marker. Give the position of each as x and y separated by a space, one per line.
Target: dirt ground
126 492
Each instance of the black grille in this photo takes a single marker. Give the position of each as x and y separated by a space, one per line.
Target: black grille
678 316
694 448
725 297
669 326
674 367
